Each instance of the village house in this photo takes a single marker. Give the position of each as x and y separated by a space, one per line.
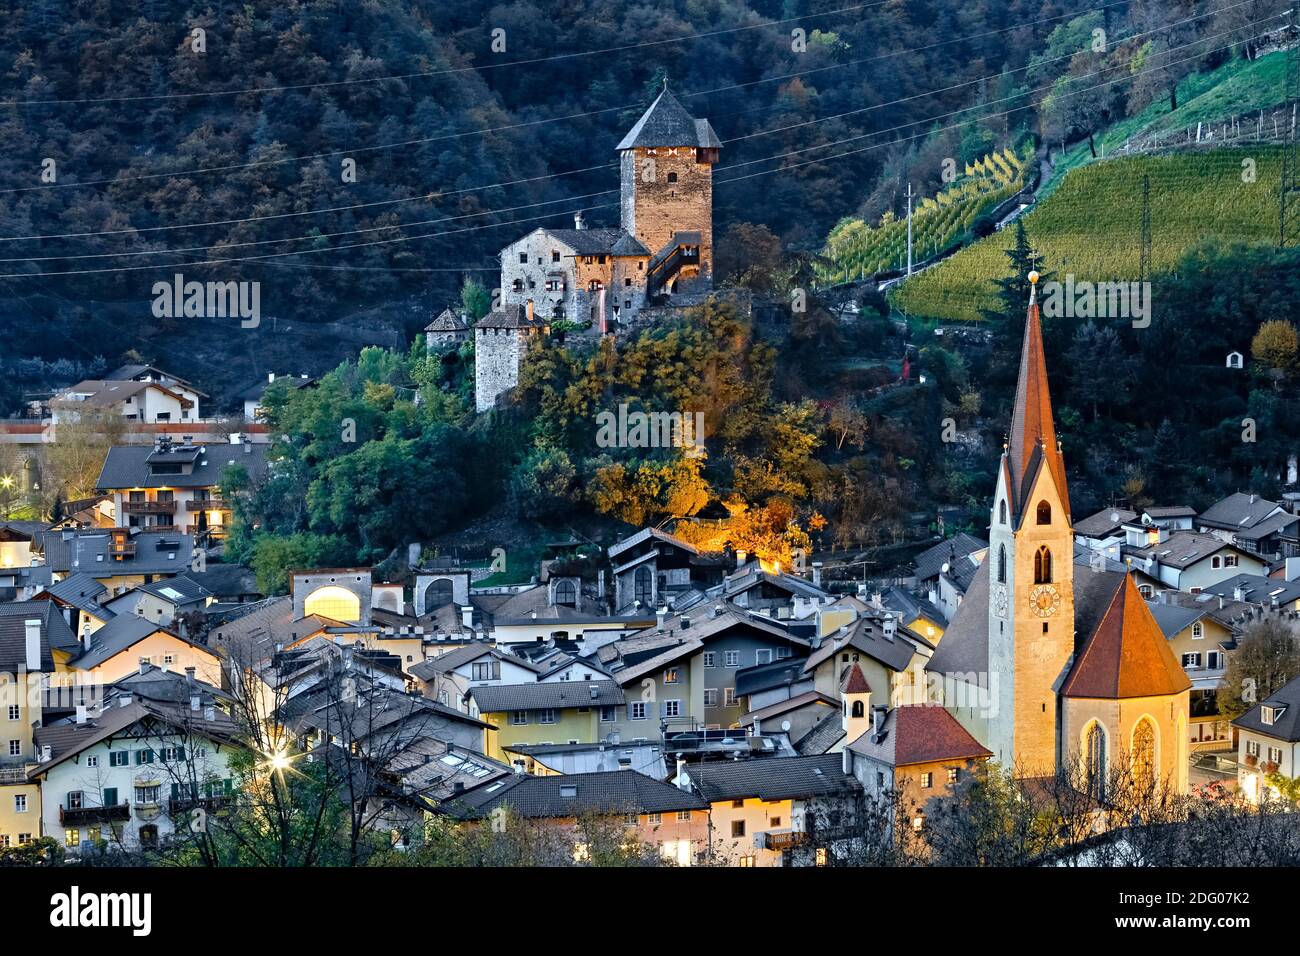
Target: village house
653 569
118 558
537 713
1190 561
672 821
175 487
1201 637
1268 742
251 397
447 329
128 770
1253 524
758 808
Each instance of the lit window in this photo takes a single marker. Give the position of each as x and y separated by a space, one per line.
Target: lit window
72 837
927 780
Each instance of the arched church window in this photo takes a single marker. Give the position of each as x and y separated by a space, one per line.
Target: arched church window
1043 566
858 709
1144 754
1002 564
1044 513
643 586
1094 742
1002 512
437 594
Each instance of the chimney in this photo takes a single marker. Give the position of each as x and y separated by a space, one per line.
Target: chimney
662 615
270 377
889 626
817 574
33 633
1220 602
530 311
210 712
189 674
682 783
467 615
144 667
82 713
595 692
124 700
195 701
742 558
579 220
47 753
877 718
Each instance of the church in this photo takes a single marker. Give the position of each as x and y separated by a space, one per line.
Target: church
661 255
1055 666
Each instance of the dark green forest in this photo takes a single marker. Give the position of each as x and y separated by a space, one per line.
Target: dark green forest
458 148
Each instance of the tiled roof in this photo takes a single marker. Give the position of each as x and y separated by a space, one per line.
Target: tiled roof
81 591
825 734
1287 726
55 633
805 699
854 681
558 695
773 778
447 321
600 242
1033 431
919 733
666 123
1182 549
1257 589
930 561
964 648
155 553
127 466
1126 655
1238 511
119 634
570 795
1104 523
511 317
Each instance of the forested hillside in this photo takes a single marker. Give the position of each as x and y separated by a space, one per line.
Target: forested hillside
148 135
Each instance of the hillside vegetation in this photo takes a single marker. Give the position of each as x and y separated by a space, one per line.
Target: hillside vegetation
1091 226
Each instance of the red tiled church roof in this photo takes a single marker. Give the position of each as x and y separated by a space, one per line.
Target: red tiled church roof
1126 655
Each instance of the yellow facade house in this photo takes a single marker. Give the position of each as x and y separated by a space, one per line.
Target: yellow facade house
563 712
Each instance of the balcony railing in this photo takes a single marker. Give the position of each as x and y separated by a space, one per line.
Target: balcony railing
149 507
13 774
178 805
207 504
779 839
85 816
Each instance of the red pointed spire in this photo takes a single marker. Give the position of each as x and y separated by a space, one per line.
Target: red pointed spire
1032 424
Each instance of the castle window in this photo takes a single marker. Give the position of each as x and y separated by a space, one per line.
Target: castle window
587 260
595 285
523 258
602 260
627 281
1044 513
672 177
1043 566
555 256
1002 564
518 285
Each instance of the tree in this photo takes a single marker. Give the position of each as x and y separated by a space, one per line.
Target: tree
1274 346
1266 658
77 456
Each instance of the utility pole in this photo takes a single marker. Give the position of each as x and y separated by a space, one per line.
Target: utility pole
909 229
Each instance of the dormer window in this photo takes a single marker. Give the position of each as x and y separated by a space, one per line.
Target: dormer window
1271 713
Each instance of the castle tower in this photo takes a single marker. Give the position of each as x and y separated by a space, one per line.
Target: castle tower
1031 615
666 169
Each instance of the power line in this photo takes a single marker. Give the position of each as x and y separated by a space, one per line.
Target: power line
231 259
460 191
511 126
426 74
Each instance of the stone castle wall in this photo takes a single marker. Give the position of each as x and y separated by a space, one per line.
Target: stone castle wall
665 191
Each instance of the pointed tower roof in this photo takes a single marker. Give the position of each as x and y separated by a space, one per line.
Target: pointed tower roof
854 681
1127 655
1033 430
666 123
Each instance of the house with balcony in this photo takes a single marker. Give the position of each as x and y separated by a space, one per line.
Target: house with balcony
118 558
144 401
175 487
127 770
154 375
1268 742
1191 561
759 809
31 634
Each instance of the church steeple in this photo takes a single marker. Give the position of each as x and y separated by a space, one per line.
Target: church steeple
1033 430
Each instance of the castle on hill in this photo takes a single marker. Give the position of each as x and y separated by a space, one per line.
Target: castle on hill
1056 667
601 279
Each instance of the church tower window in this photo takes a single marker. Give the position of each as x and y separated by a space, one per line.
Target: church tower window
1002 564
1043 566
1095 757
1002 512
1044 513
